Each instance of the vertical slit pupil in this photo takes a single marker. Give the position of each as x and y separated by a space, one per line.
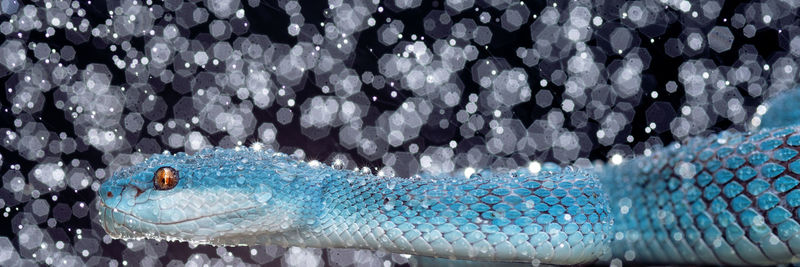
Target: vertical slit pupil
165 178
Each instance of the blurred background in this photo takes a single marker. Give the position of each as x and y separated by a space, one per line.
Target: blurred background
398 86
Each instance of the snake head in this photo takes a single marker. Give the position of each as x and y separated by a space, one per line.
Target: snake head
219 196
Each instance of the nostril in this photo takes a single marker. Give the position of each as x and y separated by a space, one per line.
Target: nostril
138 192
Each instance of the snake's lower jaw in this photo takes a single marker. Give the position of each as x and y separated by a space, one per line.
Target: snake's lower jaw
203 230
113 229
118 225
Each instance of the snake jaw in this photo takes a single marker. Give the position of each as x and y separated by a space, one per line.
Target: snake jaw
136 216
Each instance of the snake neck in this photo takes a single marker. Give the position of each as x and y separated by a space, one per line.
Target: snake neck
484 217
324 210
348 201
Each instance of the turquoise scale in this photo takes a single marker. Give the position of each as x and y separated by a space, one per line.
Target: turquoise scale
739 205
726 199
556 216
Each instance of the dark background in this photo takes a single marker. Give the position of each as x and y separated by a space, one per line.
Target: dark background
263 19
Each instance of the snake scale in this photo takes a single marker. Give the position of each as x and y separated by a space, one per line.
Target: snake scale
725 199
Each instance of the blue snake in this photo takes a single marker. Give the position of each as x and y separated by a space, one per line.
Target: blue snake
725 199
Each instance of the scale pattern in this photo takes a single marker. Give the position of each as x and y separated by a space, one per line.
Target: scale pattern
558 217
247 197
727 199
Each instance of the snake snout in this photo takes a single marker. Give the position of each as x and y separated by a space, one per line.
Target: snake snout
106 219
139 191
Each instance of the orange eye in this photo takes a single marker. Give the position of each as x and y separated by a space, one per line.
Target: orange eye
165 178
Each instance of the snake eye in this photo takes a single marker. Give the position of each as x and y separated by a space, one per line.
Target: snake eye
165 178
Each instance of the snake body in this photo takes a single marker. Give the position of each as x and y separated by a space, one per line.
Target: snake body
248 197
729 198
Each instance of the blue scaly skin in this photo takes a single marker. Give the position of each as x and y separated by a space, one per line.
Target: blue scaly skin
729 199
248 197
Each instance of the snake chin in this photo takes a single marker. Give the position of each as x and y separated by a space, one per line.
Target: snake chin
124 224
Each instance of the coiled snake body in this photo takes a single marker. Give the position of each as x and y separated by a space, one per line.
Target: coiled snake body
728 199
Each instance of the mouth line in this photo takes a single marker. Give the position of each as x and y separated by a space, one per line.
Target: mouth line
114 209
